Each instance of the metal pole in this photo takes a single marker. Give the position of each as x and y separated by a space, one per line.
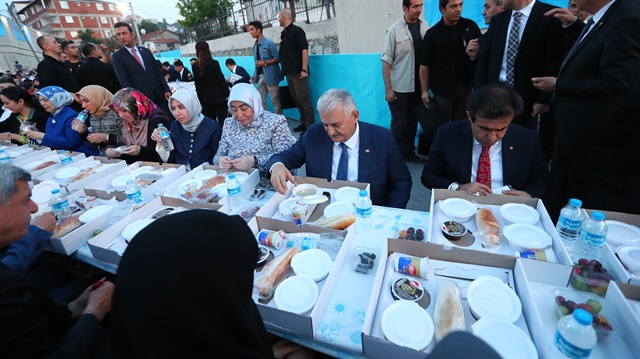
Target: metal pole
135 24
12 12
306 10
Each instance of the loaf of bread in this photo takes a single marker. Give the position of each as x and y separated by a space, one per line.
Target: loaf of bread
66 226
275 271
44 165
212 182
448 315
86 173
341 221
488 227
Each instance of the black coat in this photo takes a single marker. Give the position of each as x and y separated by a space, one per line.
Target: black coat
211 85
52 72
96 72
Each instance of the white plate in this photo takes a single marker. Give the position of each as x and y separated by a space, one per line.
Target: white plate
132 229
407 324
32 165
41 193
519 213
86 166
67 173
526 236
312 263
346 194
505 338
151 176
240 176
182 187
630 257
284 207
168 171
338 208
141 170
13 154
205 175
94 213
490 298
296 294
120 183
622 234
458 209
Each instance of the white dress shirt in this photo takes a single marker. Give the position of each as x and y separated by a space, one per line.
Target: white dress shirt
137 53
495 156
526 14
596 17
353 146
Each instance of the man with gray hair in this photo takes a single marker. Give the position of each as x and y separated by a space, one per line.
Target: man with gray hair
342 148
33 325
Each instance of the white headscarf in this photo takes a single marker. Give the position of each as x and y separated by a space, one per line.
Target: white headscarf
190 101
248 94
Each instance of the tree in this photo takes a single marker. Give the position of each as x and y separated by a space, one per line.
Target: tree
197 11
86 35
148 26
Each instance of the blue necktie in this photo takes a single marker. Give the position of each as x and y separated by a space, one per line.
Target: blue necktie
343 165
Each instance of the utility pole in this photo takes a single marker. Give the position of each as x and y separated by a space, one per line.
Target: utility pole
135 24
27 36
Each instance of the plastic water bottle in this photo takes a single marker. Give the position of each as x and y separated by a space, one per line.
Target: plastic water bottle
235 192
592 237
363 212
575 336
177 83
166 138
65 159
569 222
60 204
83 115
133 194
4 157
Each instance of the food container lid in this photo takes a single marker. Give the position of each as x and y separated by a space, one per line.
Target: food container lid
505 338
94 213
337 208
141 170
296 294
41 193
457 207
312 263
119 183
622 234
68 173
630 257
407 288
526 236
490 298
305 189
86 166
519 213
347 194
132 229
241 176
407 324
205 175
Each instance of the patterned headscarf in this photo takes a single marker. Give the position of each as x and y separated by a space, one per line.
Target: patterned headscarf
99 96
133 101
58 96
248 94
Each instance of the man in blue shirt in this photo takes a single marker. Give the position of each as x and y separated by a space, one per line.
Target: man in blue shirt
267 72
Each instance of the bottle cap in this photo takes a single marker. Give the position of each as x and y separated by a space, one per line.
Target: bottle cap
62 151
582 316
363 193
55 191
598 216
232 176
575 202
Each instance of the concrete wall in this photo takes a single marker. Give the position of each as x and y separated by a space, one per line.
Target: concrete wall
322 37
362 24
12 49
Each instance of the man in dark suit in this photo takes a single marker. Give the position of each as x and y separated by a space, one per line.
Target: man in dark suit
52 72
536 51
341 148
136 67
595 157
184 74
513 153
237 70
95 71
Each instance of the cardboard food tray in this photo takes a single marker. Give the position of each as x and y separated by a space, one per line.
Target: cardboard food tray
76 157
148 193
299 324
37 149
493 202
536 283
99 245
33 156
454 262
85 182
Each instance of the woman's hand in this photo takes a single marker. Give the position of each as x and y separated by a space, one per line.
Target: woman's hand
111 153
78 126
5 136
156 136
133 150
225 163
98 138
35 135
243 163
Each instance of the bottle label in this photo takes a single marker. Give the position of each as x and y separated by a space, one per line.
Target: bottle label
233 191
569 349
60 206
65 160
164 134
569 224
134 196
593 240
363 212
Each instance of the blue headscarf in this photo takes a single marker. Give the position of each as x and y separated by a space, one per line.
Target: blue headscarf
58 96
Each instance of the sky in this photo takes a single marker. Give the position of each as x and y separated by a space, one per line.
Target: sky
156 9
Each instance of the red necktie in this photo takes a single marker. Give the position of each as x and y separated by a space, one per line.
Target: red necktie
135 56
484 167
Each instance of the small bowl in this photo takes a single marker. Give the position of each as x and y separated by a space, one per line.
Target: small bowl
305 189
591 276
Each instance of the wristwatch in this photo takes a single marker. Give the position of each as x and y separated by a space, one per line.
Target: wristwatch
266 64
453 186
305 71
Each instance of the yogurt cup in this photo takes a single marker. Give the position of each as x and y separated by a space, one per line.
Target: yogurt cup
271 238
299 212
415 266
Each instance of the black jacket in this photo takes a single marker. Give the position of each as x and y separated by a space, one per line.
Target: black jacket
211 85
52 72
96 72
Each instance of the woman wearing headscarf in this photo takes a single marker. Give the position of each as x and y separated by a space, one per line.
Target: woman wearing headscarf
18 101
184 310
104 124
140 117
58 133
211 85
195 136
252 135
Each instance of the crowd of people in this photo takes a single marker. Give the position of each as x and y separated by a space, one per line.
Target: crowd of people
538 106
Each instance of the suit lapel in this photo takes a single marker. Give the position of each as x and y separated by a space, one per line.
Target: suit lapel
365 153
501 41
530 28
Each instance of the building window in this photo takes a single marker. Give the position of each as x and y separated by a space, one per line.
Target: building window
77 3
100 7
111 7
73 33
69 19
64 5
104 20
108 33
33 10
93 17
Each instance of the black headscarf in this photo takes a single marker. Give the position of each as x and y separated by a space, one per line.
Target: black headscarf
184 290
